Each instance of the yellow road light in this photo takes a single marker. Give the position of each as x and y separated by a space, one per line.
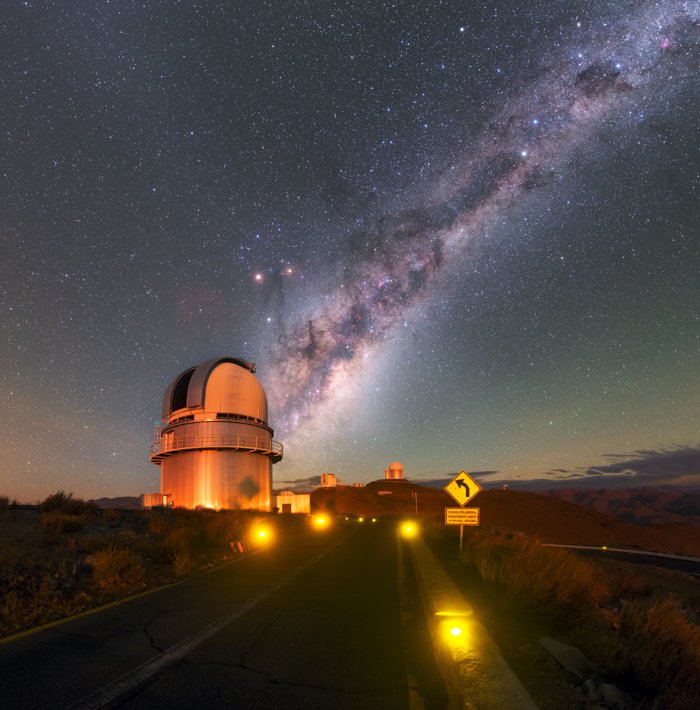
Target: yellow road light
260 534
409 528
360 520
320 522
453 626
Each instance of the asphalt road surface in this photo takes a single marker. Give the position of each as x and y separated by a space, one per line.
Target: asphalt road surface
313 621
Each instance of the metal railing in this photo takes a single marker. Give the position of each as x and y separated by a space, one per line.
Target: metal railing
174 442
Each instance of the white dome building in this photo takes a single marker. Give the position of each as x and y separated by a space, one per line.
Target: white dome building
394 472
216 448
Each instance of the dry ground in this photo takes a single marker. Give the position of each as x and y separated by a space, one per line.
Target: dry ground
46 573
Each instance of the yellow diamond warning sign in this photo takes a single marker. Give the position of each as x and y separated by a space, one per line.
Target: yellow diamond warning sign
463 488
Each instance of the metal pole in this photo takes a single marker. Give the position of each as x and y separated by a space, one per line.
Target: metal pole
461 538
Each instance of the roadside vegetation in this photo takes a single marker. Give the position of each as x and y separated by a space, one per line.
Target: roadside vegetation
65 555
640 626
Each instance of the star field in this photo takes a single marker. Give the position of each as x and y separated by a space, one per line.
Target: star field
457 236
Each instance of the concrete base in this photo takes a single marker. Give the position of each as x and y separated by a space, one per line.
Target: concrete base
476 675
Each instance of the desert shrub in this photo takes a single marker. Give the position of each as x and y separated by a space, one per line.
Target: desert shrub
177 545
664 652
182 561
156 523
36 593
65 503
88 544
111 515
114 567
8 512
552 583
55 522
178 538
223 528
599 642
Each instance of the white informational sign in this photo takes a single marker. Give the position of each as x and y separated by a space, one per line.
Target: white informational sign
462 516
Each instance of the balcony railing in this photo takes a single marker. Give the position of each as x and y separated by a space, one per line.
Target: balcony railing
173 443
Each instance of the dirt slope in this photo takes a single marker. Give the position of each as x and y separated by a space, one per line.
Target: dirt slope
544 516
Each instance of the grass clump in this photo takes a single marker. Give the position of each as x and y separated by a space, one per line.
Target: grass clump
63 556
65 503
553 584
116 568
663 646
615 615
61 513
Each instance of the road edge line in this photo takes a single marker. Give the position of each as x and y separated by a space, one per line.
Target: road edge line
140 674
475 673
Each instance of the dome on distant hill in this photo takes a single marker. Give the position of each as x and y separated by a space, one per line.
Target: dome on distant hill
394 472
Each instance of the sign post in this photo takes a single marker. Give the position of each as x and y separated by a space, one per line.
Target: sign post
462 488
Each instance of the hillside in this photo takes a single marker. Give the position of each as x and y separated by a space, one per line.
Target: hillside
544 516
639 505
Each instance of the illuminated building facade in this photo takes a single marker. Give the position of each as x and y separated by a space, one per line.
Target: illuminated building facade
290 502
328 480
216 449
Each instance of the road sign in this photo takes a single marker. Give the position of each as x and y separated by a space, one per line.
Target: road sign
462 516
463 488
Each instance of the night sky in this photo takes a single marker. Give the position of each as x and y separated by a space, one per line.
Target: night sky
460 235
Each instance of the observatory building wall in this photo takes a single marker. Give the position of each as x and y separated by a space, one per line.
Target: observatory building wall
218 479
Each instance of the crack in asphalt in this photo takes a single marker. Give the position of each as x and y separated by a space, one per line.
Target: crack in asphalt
269 676
259 637
176 653
149 635
295 684
101 636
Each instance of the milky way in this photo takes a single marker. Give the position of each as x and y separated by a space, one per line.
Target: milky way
620 77
454 234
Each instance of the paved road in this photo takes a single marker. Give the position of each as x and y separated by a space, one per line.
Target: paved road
308 623
680 563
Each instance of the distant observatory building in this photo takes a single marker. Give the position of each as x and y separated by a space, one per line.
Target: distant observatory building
394 472
216 448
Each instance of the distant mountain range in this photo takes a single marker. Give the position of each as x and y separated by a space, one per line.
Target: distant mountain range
122 502
645 506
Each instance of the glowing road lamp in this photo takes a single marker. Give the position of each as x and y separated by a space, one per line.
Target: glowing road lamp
409 529
453 626
320 522
261 535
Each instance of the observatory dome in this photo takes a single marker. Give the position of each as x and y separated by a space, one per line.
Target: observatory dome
216 449
221 385
394 472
